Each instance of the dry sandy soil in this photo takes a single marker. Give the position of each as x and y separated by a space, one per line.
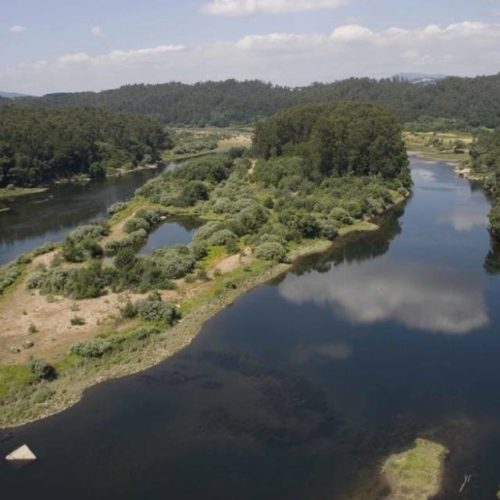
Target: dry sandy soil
51 316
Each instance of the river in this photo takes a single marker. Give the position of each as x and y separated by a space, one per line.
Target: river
302 387
49 216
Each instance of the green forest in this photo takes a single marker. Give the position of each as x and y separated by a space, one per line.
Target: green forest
470 102
42 145
336 139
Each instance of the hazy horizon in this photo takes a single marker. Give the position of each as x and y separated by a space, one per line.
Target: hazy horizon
57 47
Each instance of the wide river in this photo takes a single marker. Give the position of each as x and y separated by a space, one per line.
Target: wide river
302 387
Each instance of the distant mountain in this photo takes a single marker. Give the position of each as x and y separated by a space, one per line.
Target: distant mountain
419 78
12 95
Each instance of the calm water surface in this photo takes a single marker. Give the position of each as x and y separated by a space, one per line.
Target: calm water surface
50 216
303 386
177 231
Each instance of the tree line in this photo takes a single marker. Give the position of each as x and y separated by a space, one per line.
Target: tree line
471 101
42 145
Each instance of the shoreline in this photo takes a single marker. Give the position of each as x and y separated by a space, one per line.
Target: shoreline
6 194
69 388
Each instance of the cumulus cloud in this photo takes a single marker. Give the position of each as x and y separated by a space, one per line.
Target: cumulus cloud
97 31
249 7
467 48
352 33
17 28
431 299
118 56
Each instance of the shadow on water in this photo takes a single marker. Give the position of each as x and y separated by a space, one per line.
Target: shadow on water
302 387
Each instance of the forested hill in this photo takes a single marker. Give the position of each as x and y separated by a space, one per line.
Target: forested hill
475 101
42 145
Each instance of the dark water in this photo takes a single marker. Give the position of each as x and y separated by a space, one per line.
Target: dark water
50 216
177 231
303 386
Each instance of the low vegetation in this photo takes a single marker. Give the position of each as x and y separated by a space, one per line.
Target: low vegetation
416 474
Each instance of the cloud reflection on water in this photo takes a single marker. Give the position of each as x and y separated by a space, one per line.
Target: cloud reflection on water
464 221
418 296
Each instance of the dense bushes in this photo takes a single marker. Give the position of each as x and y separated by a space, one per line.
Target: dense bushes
152 309
271 251
94 348
8 275
82 243
80 283
146 219
117 207
175 262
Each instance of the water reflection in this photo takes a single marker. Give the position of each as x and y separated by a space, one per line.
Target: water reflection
464 220
428 298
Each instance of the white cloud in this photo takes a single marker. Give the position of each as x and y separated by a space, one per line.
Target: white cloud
97 31
17 29
468 48
77 58
434 300
352 33
280 41
118 56
248 7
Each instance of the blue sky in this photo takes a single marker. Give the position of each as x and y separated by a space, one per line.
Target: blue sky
56 45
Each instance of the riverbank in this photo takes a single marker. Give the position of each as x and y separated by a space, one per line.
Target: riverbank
6 193
25 400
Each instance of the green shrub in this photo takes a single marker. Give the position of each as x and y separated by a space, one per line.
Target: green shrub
77 321
271 251
94 348
342 216
8 275
117 207
153 309
222 237
198 249
129 310
175 262
82 243
329 230
136 223
193 192
42 370
81 283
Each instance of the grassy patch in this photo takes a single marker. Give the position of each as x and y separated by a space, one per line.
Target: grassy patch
439 146
215 255
416 474
14 377
19 191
